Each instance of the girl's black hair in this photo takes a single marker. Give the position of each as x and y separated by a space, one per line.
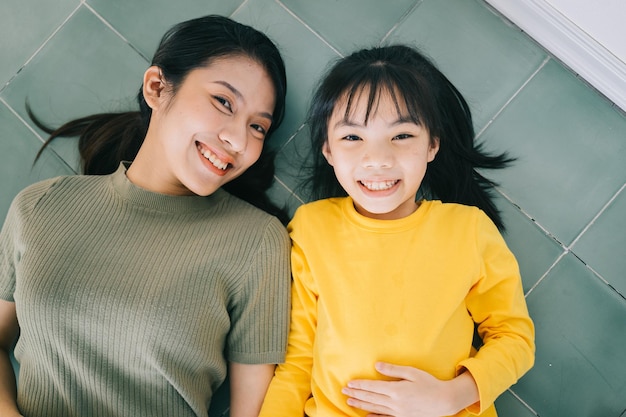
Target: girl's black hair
431 100
106 139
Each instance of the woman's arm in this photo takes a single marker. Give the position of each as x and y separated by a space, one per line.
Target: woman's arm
9 330
248 385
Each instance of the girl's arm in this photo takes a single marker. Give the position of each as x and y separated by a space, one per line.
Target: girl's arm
496 302
248 384
9 330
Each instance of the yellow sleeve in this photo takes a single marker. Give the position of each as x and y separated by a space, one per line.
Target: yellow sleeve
496 302
291 385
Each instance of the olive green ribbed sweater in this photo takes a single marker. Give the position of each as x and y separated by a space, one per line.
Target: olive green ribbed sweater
127 299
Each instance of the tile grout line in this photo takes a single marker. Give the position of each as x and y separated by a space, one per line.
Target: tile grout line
505 105
545 274
110 26
531 218
238 8
278 180
295 16
21 119
522 401
602 210
34 132
44 43
400 21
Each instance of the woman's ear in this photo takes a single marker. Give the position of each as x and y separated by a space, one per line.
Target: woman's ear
153 87
433 149
327 154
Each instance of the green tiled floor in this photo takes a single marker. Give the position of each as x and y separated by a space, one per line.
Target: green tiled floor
564 200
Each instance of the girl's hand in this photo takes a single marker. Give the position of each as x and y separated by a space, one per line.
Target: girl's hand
415 394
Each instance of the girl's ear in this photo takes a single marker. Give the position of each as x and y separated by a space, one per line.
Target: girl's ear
433 149
327 154
153 87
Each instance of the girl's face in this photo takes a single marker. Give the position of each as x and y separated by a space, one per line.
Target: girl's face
381 163
210 131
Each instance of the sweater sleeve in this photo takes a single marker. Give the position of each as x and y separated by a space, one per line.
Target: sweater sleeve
8 250
10 236
496 303
291 386
260 320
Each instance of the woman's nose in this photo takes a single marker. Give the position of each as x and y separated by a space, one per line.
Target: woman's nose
233 134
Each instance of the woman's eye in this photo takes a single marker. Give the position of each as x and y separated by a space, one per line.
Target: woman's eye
224 102
351 138
259 129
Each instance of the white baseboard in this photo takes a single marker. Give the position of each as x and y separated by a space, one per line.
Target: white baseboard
570 44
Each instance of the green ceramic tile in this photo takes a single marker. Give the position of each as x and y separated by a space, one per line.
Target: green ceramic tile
603 245
350 24
24 26
85 68
292 160
570 147
485 58
534 250
144 22
580 336
305 55
284 198
509 406
18 148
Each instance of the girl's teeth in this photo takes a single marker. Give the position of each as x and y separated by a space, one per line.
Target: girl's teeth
213 159
379 185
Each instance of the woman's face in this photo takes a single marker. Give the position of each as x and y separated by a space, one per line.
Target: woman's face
210 130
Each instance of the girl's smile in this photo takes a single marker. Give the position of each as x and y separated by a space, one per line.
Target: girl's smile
379 161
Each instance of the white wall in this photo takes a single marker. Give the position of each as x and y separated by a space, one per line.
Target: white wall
588 36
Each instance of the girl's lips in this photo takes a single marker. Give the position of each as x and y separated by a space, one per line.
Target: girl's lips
379 185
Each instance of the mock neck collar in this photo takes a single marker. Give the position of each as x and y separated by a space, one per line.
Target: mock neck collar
161 202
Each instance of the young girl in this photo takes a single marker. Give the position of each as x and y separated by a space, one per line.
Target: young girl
133 292
388 288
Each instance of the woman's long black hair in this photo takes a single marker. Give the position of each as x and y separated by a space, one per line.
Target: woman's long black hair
106 139
431 101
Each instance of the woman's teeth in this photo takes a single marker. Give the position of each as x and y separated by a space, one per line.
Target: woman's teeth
379 185
213 159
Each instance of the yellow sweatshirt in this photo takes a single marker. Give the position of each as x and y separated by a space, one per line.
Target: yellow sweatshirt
404 291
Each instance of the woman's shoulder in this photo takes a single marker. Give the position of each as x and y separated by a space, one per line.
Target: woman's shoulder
247 216
54 184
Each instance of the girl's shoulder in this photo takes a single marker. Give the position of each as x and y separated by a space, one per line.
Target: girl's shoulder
461 216
320 208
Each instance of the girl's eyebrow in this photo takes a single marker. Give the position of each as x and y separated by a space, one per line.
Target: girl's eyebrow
351 123
238 94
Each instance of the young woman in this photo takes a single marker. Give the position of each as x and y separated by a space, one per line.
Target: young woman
388 287
133 292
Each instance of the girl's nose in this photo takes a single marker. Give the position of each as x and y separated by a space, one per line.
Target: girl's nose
377 156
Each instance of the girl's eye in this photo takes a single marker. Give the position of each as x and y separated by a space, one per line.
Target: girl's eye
351 138
403 136
224 102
